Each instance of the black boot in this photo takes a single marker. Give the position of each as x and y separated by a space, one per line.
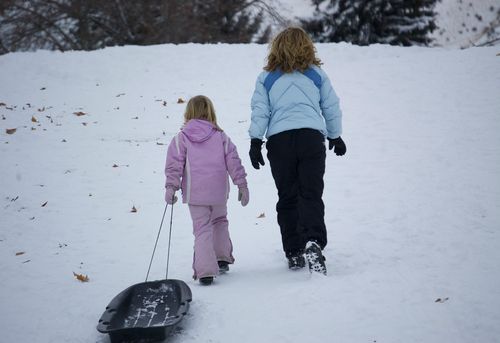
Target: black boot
207 280
296 260
315 258
223 266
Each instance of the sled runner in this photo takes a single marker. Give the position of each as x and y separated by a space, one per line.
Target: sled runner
146 312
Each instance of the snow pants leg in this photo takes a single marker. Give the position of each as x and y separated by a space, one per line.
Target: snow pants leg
297 159
211 239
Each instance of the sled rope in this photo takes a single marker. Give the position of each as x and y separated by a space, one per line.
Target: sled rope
156 243
169 235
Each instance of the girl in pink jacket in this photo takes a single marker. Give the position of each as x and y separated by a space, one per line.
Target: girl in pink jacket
199 159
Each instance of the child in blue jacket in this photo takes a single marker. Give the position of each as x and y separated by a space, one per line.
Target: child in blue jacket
295 107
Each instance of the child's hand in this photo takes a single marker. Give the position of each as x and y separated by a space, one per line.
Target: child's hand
170 196
243 196
338 143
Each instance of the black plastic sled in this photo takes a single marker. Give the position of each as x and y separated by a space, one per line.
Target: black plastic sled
146 312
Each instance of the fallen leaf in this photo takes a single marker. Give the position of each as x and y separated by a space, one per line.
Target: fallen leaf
44 204
2 104
133 210
180 101
439 300
20 253
81 277
26 261
262 215
63 141
41 109
119 95
164 103
3 117
79 113
115 165
10 131
43 88
159 143
84 124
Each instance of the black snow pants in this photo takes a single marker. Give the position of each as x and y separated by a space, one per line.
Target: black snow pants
297 159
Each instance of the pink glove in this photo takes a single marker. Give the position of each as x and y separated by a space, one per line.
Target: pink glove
170 196
243 195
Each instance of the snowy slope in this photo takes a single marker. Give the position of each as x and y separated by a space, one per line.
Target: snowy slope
412 209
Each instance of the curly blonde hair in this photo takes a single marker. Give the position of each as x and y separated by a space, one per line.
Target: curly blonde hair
292 49
201 107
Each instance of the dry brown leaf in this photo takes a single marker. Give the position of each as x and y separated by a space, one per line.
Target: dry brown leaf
81 277
44 204
180 101
84 124
439 300
33 119
80 113
20 253
115 165
262 215
119 95
10 131
41 109
133 210
2 104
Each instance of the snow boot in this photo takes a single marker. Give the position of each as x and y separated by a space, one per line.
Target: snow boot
315 258
223 266
296 261
207 280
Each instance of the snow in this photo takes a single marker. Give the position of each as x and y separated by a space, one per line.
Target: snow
462 23
412 209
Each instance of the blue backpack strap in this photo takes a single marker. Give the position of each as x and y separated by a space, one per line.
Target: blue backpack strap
314 76
271 79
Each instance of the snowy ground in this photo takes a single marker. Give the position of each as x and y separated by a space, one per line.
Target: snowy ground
413 209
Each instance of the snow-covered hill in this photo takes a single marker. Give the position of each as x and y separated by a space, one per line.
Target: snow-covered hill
412 210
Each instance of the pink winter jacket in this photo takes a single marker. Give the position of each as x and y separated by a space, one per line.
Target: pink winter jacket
201 156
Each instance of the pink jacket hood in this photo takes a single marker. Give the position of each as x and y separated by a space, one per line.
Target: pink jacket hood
198 131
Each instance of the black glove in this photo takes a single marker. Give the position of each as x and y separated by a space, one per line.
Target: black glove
255 154
339 145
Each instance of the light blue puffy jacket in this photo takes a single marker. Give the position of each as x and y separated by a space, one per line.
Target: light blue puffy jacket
295 101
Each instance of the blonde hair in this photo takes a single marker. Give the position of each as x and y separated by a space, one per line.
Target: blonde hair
201 107
292 49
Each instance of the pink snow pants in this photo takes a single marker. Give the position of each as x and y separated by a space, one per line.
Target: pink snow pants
211 239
